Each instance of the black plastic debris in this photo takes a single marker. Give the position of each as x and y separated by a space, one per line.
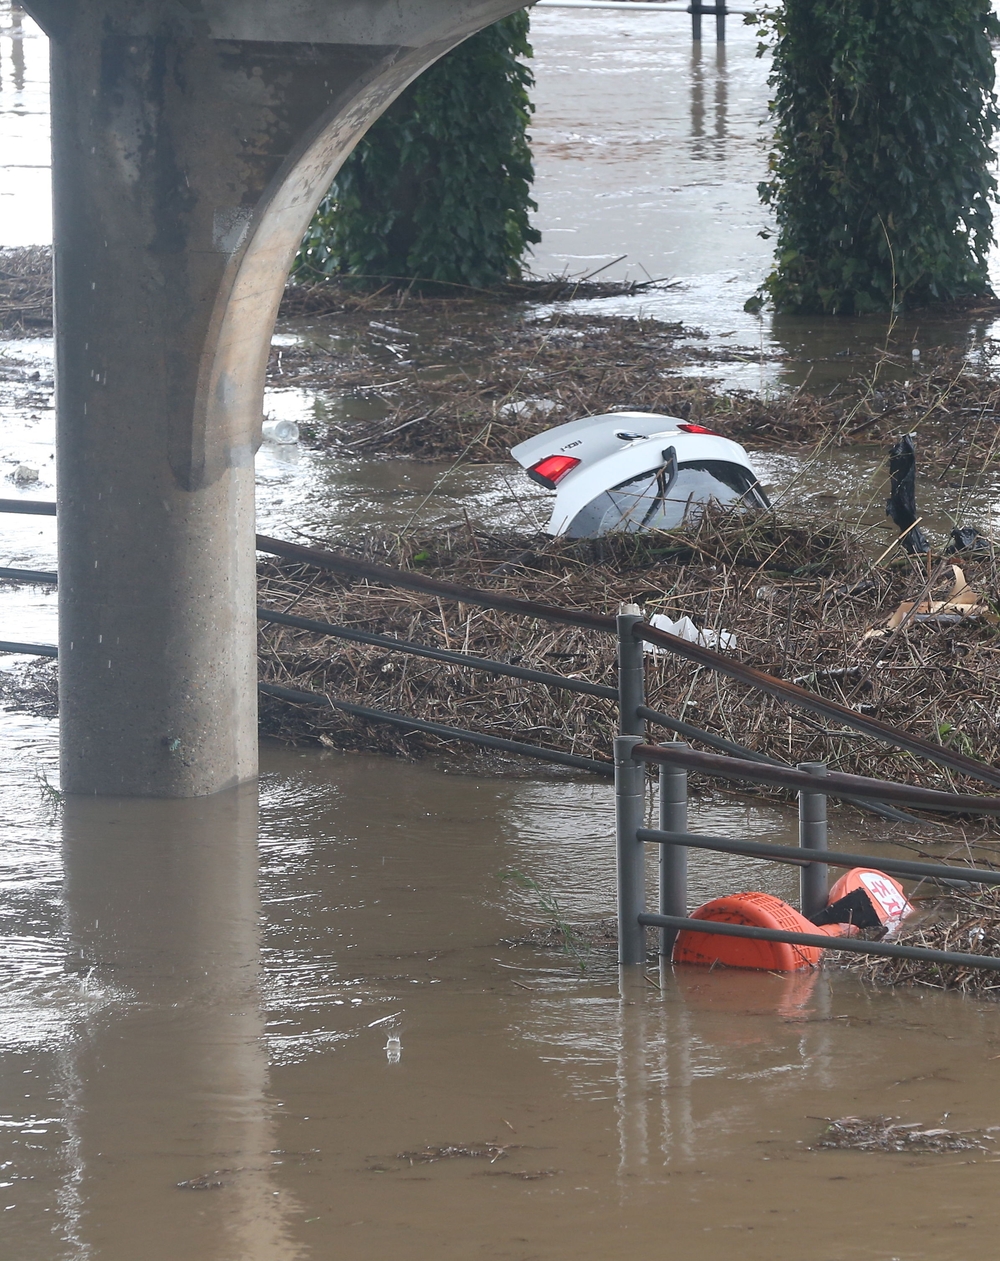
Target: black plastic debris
856 908
901 505
966 538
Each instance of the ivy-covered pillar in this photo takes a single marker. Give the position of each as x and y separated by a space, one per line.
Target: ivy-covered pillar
439 188
881 171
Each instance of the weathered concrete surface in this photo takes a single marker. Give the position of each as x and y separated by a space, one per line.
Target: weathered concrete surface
191 143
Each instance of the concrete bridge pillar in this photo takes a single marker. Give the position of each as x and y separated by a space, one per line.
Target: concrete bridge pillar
192 140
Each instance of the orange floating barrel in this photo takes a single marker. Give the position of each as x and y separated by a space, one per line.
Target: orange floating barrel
760 910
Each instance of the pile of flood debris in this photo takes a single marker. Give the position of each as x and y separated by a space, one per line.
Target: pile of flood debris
472 385
26 288
800 599
31 689
339 295
450 380
890 1134
453 377
964 921
454 374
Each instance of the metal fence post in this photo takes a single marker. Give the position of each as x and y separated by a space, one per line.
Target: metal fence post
673 858
720 21
696 11
812 835
631 673
629 811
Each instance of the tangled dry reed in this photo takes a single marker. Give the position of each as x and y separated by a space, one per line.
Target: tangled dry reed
25 288
799 596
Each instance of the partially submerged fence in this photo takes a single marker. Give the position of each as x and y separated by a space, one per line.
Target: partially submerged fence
812 855
813 781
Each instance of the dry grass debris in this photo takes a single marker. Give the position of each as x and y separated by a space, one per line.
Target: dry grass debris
430 1155
799 596
889 1134
25 288
966 922
31 689
449 379
475 387
347 294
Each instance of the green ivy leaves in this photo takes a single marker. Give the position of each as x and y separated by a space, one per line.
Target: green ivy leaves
880 172
438 189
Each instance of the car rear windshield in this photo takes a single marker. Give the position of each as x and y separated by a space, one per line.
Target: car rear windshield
652 502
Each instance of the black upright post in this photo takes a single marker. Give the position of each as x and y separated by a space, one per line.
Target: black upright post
696 12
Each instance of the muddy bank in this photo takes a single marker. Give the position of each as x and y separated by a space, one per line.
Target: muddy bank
799 597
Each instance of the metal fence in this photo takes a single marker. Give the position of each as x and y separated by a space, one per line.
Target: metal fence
719 10
813 781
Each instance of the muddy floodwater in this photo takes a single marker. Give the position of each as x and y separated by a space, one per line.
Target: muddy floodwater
297 1028
322 1017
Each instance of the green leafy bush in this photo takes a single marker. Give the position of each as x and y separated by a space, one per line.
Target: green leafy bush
438 189
880 171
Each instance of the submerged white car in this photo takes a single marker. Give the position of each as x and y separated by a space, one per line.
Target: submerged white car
631 471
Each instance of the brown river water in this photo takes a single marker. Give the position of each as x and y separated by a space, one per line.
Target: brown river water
238 1029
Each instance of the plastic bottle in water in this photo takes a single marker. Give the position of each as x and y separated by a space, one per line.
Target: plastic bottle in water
283 431
393 1049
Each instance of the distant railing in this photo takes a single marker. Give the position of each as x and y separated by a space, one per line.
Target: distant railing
719 11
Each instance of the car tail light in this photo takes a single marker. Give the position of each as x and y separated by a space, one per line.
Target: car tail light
552 469
687 427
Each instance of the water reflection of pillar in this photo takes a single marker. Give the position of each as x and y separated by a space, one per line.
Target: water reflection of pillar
631 1076
653 1077
17 46
697 103
817 1049
676 1110
721 101
166 1083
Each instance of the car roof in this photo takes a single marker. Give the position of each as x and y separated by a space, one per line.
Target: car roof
592 437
